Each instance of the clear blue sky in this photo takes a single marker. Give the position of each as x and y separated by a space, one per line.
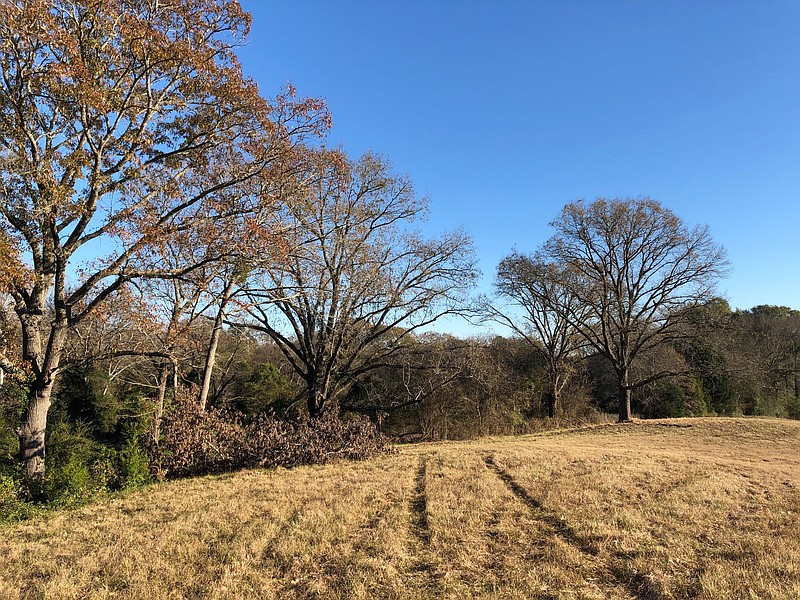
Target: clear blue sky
503 111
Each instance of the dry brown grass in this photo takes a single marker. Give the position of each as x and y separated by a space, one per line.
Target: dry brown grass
668 509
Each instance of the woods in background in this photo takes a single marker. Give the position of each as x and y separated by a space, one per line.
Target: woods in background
435 386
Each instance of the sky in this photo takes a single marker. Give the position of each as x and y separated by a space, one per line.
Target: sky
503 111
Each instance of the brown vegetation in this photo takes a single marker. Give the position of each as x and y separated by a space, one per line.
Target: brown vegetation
198 443
700 508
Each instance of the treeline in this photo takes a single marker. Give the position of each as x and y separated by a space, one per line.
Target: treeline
116 422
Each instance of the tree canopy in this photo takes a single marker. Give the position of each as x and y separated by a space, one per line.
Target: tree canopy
121 121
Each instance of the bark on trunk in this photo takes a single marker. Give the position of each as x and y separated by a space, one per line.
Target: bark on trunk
211 356
32 434
624 404
553 396
163 376
175 376
34 425
314 402
623 373
316 398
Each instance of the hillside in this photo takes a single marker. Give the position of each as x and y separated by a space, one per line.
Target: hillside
659 509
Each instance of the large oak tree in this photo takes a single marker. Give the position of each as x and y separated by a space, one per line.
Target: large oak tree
358 279
635 269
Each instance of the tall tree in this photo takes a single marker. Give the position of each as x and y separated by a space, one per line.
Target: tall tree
635 269
535 292
357 280
119 121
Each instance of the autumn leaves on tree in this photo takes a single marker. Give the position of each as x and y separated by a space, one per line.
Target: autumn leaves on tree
123 125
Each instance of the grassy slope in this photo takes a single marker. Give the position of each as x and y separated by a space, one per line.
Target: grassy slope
685 508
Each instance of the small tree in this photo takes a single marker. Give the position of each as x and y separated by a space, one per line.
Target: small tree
535 292
634 269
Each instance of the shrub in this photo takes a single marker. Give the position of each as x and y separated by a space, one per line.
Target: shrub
666 400
793 408
13 506
264 388
278 443
78 468
769 406
133 466
9 443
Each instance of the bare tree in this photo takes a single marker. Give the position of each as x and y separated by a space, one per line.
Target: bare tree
356 281
634 269
535 293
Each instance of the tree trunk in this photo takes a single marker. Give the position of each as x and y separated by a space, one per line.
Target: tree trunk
175 376
557 377
624 404
315 401
44 361
211 356
32 433
623 373
163 376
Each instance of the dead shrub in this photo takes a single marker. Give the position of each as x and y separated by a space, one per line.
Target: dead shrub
194 442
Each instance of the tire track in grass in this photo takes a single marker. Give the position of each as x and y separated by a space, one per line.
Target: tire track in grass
419 504
493 563
558 525
422 553
636 585
270 553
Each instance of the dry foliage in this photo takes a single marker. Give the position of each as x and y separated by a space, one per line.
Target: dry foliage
198 442
667 509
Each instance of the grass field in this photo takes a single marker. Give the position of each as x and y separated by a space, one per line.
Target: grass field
690 508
